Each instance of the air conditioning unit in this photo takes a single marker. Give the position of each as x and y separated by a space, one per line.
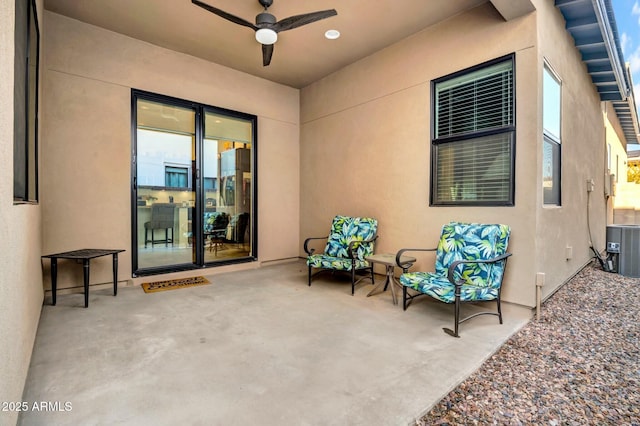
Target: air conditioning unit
623 249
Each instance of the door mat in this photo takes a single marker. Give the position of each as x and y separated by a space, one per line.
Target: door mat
174 284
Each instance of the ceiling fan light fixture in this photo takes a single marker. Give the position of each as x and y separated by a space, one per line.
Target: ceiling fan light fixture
267 26
332 34
266 36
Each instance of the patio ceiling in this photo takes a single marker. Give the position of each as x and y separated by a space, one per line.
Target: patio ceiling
593 26
301 56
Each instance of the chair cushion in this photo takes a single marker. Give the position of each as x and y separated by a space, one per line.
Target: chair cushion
472 241
440 288
346 229
215 221
331 262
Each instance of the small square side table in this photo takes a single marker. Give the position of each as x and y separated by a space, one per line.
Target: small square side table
389 261
85 255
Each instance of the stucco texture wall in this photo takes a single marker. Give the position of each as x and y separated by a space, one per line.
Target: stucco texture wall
88 77
583 157
365 140
21 292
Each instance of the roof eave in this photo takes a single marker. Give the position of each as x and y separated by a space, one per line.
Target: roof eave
593 27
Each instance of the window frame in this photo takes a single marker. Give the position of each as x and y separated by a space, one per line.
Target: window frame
26 88
436 141
555 141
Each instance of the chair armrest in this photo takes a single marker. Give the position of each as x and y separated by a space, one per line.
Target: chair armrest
353 245
306 242
455 264
405 266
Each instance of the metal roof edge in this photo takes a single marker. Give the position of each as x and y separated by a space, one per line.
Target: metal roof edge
592 24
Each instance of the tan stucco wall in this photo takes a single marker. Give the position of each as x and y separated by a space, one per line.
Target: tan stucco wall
87 144
20 241
583 157
365 139
365 144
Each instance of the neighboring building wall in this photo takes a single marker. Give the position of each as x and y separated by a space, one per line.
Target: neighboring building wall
365 140
616 160
87 139
563 232
627 204
623 201
20 242
624 205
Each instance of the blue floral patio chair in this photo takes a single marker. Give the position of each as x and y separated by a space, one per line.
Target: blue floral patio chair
470 262
214 225
351 240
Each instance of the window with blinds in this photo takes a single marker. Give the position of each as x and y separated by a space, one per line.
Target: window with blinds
474 136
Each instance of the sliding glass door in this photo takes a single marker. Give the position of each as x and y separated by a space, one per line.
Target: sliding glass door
193 169
228 170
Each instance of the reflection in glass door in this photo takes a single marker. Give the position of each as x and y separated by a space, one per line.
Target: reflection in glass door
165 198
227 165
193 185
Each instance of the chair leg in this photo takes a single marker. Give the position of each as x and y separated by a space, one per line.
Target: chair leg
353 280
499 310
456 315
309 275
146 238
404 298
373 281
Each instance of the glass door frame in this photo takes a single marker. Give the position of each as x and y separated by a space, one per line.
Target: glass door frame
197 176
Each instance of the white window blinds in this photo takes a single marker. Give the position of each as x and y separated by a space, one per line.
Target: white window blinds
480 100
475 170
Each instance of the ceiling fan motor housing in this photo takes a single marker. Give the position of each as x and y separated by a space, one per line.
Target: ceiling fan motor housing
265 19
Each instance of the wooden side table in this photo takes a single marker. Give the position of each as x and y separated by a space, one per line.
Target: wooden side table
389 261
85 255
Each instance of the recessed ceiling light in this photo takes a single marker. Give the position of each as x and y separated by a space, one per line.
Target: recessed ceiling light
332 34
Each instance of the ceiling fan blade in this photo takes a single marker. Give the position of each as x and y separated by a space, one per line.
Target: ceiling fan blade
304 19
267 52
225 15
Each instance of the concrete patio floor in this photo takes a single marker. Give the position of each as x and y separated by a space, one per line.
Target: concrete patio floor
254 347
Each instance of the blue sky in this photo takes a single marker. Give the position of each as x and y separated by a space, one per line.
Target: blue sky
628 21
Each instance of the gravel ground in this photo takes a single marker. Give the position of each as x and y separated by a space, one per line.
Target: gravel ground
578 365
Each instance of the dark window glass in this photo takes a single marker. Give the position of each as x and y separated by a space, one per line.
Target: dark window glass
176 177
551 121
25 102
474 136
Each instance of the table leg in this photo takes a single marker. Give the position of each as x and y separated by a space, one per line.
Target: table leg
54 279
391 281
85 265
377 287
115 274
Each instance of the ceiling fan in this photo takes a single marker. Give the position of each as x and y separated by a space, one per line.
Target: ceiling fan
266 26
